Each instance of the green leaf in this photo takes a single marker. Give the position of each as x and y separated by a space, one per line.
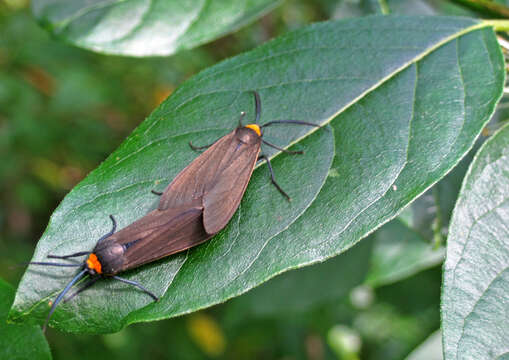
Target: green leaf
145 28
406 103
430 349
428 7
306 288
346 9
399 252
476 272
19 341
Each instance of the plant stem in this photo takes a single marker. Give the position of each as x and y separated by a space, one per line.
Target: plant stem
486 6
498 25
384 7
438 239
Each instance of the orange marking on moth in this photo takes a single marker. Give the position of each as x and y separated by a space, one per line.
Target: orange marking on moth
94 264
255 128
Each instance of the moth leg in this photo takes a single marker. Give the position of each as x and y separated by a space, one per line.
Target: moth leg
198 148
296 122
138 285
272 177
112 231
281 149
88 284
158 193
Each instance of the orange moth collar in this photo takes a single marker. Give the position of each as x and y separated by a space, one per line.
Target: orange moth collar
255 128
94 264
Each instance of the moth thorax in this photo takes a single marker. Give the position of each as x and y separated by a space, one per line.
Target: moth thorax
111 257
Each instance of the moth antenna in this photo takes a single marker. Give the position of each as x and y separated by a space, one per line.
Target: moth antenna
112 231
258 106
81 253
242 114
52 264
61 296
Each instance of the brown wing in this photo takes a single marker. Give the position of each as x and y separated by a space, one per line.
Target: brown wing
222 197
191 182
158 234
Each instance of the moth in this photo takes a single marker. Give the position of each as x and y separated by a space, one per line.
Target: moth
195 206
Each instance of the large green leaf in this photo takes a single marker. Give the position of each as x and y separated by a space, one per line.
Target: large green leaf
143 27
18 342
406 98
307 288
475 316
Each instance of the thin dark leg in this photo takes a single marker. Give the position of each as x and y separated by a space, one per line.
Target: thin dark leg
138 285
88 284
158 193
296 122
61 295
258 106
273 178
81 253
281 149
198 148
112 231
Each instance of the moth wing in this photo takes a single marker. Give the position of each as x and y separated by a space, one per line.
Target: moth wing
161 233
191 182
222 197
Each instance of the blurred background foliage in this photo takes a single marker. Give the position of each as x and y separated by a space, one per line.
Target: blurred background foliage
63 110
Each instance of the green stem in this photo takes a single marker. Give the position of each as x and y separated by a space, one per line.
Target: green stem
384 7
486 6
438 239
498 25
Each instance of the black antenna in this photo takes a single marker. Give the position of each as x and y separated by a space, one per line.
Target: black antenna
53 264
61 296
258 106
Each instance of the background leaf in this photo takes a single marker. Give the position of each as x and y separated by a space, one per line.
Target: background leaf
430 214
430 349
19 341
406 96
476 271
399 252
145 28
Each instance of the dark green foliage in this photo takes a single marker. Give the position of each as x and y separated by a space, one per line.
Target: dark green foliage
384 159
19 341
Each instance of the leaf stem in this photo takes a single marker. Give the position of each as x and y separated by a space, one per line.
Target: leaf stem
486 6
498 25
384 7
438 239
